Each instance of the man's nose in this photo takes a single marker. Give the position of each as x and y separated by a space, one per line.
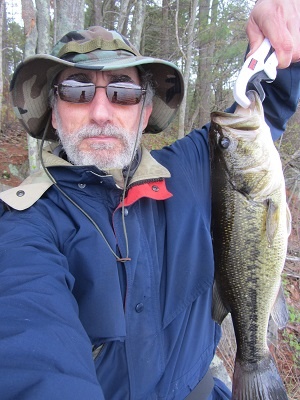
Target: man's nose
101 109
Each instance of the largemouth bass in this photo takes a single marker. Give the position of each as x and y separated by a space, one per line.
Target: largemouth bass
250 228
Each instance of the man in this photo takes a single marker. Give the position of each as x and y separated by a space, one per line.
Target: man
106 255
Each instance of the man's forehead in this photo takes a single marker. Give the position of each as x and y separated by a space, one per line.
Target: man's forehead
130 71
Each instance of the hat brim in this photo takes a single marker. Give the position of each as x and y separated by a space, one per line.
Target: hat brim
33 79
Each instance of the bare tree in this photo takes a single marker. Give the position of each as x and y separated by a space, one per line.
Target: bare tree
124 7
30 29
138 23
97 12
206 47
188 63
69 15
43 26
165 27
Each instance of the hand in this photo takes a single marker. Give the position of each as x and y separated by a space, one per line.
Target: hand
279 21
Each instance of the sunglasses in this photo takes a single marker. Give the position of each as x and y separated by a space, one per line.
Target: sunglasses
124 93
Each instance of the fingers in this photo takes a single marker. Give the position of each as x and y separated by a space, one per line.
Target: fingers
294 29
279 21
255 36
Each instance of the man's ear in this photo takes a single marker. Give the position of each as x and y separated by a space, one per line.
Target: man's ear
147 113
53 120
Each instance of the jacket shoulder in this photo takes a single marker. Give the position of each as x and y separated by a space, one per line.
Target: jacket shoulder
28 192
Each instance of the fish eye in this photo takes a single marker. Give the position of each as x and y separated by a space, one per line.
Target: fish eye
224 142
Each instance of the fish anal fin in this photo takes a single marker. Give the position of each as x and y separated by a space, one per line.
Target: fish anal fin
279 312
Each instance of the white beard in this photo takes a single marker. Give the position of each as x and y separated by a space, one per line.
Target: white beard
102 155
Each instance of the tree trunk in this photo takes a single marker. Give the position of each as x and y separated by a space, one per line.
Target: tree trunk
124 15
29 19
138 23
202 97
109 14
188 63
97 12
165 28
43 26
30 29
69 15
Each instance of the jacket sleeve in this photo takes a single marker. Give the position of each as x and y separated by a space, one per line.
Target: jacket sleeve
282 97
45 353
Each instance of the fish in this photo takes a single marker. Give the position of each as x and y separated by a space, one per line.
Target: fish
250 225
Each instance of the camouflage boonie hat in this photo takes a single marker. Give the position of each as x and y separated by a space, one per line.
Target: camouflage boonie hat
98 49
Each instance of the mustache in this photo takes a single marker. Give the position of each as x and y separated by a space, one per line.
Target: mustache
107 130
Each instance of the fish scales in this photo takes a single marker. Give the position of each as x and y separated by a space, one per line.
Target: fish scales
250 225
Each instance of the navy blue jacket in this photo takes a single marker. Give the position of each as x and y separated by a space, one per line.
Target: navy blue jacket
75 323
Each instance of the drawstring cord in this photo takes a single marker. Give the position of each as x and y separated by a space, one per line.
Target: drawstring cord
69 198
126 179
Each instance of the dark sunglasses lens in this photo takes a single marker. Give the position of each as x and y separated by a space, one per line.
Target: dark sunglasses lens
124 93
76 92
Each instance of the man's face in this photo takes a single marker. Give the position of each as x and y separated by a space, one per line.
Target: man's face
100 132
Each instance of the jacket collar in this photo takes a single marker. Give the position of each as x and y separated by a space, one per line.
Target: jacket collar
148 170
35 185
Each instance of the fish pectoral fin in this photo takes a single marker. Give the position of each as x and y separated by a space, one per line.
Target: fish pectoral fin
279 312
272 220
219 311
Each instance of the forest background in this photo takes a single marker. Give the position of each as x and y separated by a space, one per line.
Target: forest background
206 39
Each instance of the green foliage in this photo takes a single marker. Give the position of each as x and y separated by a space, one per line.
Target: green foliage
158 33
13 46
294 315
230 41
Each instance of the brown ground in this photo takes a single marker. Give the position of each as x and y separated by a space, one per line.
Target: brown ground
13 161
13 155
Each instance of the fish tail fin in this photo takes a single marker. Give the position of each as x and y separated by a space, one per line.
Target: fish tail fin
259 380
